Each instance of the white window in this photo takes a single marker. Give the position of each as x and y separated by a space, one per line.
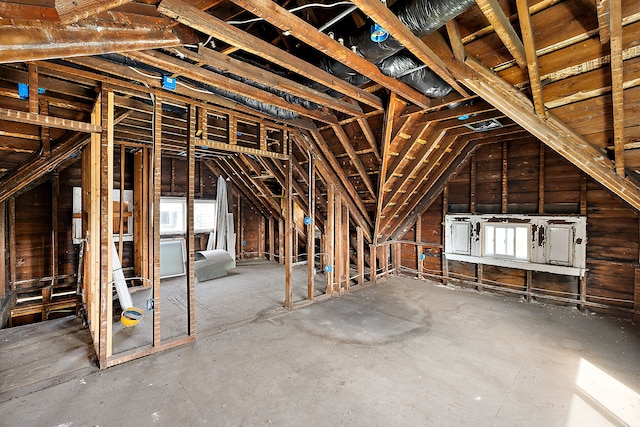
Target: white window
506 240
553 244
204 216
172 215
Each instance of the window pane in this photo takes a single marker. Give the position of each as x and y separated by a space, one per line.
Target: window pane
489 239
204 215
501 241
172 218
522 242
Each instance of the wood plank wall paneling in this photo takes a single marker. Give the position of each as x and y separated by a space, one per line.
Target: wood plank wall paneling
613 248
33 235
252 234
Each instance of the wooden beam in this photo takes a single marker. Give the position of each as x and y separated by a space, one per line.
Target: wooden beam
617 82
49 121
154 230
360 254
495 15
35 168
326 168
343 178
288 251
602 7
552 131
355 159
407 136
106 228
453 30
190 238
434 190
280 17
71 11
194 72
330 241
504 183
389 119
22 41
264 77
531 56
4 286
311 239
379 12
370 137
212 26
338 265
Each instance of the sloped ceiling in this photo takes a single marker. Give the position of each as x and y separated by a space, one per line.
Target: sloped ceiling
563 71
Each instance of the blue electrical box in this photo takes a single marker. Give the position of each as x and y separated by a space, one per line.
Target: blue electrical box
23 91
422 257
308 220
168 83
328 268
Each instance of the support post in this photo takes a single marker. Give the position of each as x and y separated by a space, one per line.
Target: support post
330 239
373 276
288 265
339 256
191 182
106 227
157 184
272 249
311 236
12 243
3 253
419 261
360 238
281 251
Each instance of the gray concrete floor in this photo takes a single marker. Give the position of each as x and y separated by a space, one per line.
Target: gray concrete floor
403 352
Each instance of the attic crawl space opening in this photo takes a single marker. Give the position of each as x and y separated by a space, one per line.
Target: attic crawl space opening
347 136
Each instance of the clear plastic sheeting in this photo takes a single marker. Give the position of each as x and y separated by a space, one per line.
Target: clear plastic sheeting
416 75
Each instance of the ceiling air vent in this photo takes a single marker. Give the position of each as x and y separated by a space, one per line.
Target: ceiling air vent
485 126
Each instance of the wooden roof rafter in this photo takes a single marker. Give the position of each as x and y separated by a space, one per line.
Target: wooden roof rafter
531 57
513 104
287 21
398 190
191 71
22 41
325 167
212 26
220 169
501 25
71 11
251 72
617 83
439 174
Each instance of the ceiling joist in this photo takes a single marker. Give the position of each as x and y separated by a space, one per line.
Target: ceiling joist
29 41
212 26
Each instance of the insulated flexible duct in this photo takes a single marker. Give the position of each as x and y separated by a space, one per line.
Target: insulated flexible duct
422 17
259 106
415 74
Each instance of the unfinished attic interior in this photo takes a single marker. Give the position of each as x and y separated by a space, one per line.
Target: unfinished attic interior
151 150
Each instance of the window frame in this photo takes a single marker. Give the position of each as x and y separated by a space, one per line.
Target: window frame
548 251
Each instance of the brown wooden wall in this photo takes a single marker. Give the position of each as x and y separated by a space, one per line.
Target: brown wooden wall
525 177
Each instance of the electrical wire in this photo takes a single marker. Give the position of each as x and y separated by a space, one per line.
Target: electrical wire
295 9
144 74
